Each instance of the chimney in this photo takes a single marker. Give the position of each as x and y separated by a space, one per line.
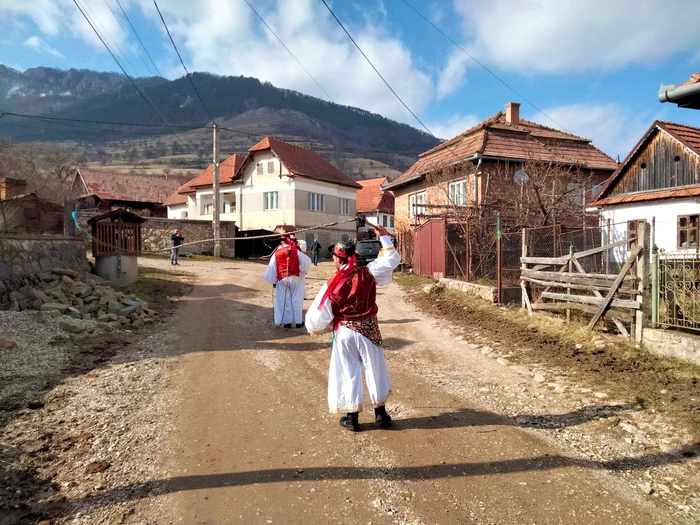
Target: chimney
513 113
12 188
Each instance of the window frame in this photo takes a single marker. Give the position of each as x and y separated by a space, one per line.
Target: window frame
271 197
414 206
344 206
385 221
316 202
687 229
259 168
270 166
452 192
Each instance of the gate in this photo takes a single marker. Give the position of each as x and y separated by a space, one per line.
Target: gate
429 249
567 285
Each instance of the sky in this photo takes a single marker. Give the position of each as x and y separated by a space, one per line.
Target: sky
592 68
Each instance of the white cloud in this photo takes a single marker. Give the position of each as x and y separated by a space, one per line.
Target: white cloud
452 77
611 127
551 36
37 43
452 126
227 38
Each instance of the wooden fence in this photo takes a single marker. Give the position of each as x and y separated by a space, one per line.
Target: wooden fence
622 297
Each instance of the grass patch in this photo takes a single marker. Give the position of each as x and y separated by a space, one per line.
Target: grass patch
619 367
159 287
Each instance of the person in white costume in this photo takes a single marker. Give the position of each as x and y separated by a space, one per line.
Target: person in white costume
347 302
285 272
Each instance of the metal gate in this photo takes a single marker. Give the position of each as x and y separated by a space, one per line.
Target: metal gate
429 249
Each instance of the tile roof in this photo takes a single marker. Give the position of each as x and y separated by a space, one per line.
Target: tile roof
227 172
304 162
686 135
127 187
494 137
180 196
694 79
677 193
371 197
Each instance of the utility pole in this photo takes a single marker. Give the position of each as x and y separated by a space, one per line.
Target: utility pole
217 197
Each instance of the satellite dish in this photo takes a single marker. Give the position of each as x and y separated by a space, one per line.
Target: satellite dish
521 177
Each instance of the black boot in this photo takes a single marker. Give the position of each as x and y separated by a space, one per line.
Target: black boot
381 417
351 421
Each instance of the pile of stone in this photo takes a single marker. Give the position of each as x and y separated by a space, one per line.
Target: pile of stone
60 292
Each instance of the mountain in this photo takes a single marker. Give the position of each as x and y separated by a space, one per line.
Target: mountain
250 107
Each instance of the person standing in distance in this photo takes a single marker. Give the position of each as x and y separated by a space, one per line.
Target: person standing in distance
175 242
315 251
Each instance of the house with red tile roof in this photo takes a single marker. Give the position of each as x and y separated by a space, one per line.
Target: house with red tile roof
471 160
658 182
105 190
277 184
375 204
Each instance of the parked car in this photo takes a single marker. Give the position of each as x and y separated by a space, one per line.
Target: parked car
366 251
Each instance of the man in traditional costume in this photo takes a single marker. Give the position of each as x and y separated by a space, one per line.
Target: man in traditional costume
347 302
285 271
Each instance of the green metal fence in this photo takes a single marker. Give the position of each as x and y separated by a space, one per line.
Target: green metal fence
676 291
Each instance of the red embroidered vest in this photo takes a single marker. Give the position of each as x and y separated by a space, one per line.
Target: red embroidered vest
287 260
356 297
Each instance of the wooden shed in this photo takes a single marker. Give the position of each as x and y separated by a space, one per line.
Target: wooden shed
116 245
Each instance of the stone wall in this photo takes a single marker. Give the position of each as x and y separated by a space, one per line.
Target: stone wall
156 234
24 257
490 293
667 343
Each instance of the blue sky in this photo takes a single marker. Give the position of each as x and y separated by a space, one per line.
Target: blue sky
594 67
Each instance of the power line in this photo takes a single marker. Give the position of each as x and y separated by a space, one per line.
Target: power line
182 62
148 101
376 70
94 18
459 159
129 37
139 38
113 123
494 75
288 50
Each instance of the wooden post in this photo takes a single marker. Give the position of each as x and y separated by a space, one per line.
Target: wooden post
468 271
499 259
568 290
608 253
642 315
525 242
216 197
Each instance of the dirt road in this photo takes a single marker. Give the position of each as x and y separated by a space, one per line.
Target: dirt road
255 444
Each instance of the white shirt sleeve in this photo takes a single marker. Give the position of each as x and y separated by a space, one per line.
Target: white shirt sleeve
383 266
304 263
317 320
271 270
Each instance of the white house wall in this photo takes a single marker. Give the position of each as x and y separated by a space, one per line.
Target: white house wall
179 211
663 214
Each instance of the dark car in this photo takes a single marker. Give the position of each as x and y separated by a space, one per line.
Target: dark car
366 251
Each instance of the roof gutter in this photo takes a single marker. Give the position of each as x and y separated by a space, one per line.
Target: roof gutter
676 94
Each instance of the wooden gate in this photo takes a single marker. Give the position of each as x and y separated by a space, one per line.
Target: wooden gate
566 286
429 249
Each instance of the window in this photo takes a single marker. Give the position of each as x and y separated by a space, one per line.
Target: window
229 204
345 206
416 204
688 231
385 222
391 222
632 227
271 167
260 168
457 193
316 202
272 200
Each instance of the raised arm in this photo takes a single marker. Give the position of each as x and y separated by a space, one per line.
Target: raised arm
388 259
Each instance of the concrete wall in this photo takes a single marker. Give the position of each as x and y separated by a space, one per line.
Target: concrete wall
156 234
23 257
667 343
